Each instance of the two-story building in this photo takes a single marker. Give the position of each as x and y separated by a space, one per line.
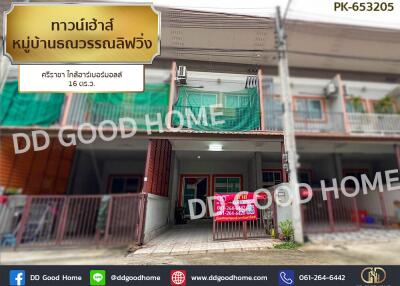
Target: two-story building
346 111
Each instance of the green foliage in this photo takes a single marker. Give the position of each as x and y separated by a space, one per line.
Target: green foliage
287 230
287 245
384 105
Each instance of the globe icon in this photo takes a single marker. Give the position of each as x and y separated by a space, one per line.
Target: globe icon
178 277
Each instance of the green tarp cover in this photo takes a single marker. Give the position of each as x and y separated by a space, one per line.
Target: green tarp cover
240 109
24 109
113 106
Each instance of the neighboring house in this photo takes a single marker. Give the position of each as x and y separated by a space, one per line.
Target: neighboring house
129 189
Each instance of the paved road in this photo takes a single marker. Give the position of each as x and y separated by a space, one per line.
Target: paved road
386 252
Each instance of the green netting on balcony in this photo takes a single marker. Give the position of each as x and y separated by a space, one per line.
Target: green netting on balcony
113 106
240 109
24 109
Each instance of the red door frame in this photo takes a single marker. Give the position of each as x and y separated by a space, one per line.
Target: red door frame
181 190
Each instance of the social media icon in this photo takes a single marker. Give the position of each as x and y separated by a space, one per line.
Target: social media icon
17 277
178 277
97 277
286 277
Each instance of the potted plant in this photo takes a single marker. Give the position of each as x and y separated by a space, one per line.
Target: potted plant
384 105
356 101
287 230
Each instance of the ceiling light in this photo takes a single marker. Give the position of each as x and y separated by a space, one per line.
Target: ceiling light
215 147
198 157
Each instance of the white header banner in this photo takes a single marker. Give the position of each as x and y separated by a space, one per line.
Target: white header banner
81 78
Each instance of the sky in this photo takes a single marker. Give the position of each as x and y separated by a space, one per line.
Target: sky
313 10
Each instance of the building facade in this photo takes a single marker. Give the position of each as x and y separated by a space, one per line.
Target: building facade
347 123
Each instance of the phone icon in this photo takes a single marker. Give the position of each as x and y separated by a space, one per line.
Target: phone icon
286 277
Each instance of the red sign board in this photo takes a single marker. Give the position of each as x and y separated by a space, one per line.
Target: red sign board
241 208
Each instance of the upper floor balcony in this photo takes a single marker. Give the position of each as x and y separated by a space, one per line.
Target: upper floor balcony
29 109
96 108
205 110
240 102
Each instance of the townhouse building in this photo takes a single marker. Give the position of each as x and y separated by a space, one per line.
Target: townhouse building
346 104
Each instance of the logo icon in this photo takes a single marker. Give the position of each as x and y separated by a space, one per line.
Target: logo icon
373 275
97 277
178 277
286 277
17 277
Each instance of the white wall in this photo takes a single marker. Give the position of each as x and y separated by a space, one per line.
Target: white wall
223 82
368 90
157 216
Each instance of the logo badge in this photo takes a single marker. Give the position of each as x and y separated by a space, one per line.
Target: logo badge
97 277
286 277
373 275
178 277
17 277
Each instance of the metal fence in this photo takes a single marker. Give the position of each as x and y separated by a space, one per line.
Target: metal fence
71 220
260 228
330 214
374 123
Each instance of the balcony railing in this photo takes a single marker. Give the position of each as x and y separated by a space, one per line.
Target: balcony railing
84 111
227 119
325 122
374 123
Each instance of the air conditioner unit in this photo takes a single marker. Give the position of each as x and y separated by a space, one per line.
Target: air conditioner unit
330 90
181 75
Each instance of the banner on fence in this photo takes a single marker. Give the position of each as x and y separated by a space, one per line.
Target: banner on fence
241 208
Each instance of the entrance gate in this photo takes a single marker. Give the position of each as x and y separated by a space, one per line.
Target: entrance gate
263 227
330 215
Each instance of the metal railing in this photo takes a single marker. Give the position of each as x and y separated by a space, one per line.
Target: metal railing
330 215
60 220
234 119
259 228
325 122
374 123
83 110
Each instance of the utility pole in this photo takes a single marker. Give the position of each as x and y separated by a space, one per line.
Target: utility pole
288 128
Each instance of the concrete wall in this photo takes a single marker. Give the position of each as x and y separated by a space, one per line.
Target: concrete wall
370 203
157 216
91 172
86 179
271 165
390 198
120 167
223 82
